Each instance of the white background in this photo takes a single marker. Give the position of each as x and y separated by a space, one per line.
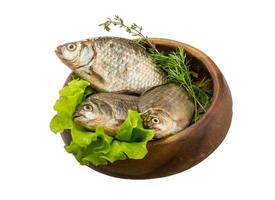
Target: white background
237 35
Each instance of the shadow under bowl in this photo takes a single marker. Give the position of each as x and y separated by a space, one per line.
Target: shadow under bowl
190 146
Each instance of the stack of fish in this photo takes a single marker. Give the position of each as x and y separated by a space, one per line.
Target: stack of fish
116 68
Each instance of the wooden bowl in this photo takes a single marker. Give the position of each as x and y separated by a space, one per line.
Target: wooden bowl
187 148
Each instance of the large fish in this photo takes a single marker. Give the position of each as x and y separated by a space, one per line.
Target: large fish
167 109
112 64
107 110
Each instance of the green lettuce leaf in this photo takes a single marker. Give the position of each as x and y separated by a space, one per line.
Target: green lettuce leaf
92 152
98 148
132 138
70 97
60 122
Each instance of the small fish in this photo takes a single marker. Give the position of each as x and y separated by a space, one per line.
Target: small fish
112 64
107 110
167 108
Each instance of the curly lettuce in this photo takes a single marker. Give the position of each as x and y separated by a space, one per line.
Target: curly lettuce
98 148
70 97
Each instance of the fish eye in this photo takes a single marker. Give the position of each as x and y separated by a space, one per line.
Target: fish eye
71 47
155 120
88 107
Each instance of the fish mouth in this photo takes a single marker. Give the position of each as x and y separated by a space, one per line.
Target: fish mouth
77 115
156 129
59 52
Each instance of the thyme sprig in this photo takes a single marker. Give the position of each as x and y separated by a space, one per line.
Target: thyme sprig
132 29
175 64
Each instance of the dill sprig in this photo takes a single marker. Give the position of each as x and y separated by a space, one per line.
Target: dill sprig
175 64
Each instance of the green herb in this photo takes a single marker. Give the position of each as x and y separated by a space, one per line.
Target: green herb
176 66
70 97
174 63
133 29
97 147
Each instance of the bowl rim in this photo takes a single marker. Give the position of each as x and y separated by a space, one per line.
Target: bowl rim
216 76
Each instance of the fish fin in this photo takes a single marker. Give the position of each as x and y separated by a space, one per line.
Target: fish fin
97 77
98 82
145 91
128 92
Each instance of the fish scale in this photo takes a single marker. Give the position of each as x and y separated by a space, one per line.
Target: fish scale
125 66
120 103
